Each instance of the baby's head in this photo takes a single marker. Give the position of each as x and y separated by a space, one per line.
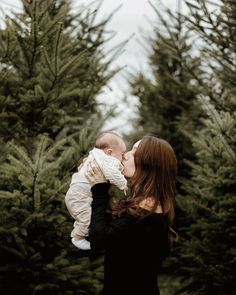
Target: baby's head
112 144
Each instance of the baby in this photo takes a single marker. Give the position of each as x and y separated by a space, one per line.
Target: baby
108 153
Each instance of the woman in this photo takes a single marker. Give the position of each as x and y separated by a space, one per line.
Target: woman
135 237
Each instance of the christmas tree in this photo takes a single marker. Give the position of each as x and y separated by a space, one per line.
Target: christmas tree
207 260
167 100
52 70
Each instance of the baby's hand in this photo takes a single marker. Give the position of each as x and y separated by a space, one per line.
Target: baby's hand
81 165
94 173
125 190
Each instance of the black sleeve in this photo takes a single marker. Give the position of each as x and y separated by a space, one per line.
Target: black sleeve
102 227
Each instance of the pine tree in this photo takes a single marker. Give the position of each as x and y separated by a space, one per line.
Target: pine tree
167 101
207 257
35 249
52 69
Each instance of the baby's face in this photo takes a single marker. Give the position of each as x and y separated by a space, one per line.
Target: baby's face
118 150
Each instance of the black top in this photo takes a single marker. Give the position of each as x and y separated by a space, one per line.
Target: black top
134 248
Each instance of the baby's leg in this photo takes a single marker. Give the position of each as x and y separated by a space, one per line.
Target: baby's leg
78 201
82 244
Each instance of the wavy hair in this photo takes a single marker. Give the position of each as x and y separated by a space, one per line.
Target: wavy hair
155 177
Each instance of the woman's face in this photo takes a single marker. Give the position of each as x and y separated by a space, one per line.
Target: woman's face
128 161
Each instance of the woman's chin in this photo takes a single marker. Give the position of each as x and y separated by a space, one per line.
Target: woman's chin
127 175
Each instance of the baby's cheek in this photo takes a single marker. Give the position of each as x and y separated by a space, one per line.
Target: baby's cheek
119 157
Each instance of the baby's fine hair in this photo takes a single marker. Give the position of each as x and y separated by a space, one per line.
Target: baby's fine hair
107 139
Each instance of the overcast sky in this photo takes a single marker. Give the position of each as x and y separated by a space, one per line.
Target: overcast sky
133 17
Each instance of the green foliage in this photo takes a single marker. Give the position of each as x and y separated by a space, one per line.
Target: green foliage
167 101
207 256
34 224
207 253
52 68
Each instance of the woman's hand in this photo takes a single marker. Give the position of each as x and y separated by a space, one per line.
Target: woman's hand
94 173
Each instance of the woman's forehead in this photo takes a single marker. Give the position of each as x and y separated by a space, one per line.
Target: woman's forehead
136 144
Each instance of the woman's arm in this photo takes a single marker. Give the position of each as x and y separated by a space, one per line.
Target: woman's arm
102 228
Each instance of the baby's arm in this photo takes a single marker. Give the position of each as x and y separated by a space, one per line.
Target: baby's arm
112 172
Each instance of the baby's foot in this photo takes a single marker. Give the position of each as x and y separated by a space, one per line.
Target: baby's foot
81 244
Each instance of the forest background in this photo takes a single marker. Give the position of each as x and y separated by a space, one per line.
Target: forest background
52 71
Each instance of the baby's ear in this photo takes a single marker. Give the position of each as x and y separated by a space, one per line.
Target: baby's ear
108 151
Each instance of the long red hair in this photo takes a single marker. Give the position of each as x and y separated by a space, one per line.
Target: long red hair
154 177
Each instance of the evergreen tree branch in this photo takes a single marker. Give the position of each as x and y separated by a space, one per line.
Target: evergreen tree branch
34 33
212 112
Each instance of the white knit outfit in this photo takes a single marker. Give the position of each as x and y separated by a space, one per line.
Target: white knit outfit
78 198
